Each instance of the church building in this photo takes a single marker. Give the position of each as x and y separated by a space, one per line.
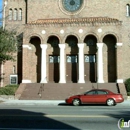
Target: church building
70 43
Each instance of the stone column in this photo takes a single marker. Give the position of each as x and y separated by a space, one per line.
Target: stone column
62 63
119 62
81 63
25 66
43 64
100 63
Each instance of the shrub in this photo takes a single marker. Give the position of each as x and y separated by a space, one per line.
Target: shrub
127 84
8 90
128 93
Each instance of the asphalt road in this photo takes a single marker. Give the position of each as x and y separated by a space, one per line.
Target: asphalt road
39 117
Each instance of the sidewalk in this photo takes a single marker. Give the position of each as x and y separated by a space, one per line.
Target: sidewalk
44 102
33 102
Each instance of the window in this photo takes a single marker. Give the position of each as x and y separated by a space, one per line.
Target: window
20 14
93 92
99 92
127 10
89 58
10 14
15 14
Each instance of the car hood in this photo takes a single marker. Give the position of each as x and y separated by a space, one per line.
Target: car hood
75 96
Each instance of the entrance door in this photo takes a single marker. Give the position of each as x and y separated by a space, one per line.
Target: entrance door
90 68
72 68
54 69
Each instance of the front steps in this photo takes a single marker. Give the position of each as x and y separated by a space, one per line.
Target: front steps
57 91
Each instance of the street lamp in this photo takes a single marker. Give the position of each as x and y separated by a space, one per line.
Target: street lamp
5 4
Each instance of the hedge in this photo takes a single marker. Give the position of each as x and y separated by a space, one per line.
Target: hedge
8 90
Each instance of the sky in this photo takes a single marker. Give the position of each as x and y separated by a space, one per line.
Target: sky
0 10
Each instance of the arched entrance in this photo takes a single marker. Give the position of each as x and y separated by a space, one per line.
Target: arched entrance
54 59
90 58
72 59
36 59
110 57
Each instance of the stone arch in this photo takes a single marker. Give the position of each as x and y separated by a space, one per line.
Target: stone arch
34 35
72 58
55 35
54 54
118 38
109 57
91 33
35 58
71 34
90 56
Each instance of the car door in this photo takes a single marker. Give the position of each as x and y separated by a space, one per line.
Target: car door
89 97
101 96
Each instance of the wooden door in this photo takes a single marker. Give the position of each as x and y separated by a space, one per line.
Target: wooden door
71 69
90 68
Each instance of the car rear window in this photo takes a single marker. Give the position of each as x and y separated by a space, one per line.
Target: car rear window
100 92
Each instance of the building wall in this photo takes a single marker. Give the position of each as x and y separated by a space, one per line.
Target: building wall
50 9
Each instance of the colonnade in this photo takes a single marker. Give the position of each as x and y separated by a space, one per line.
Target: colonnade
81 79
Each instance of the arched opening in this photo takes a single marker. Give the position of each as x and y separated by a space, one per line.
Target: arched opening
10 14
36 59
110 57
72 59
90 58
54 58
20 14
15 14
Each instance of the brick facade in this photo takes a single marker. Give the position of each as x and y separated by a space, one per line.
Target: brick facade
43 20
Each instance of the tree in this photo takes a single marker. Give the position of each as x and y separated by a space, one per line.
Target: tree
8 45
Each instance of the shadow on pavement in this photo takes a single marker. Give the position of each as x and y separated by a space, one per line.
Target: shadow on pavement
65 104
16 118
122 114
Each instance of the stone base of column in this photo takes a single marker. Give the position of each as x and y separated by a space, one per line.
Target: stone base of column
81 81
26 81
43 81
100 81
62 81
119 80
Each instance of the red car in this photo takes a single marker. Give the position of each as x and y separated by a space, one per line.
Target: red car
96 96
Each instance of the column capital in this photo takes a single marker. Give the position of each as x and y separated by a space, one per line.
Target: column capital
119 44
119 80
27 46
80 45
99 44
62 45
43 46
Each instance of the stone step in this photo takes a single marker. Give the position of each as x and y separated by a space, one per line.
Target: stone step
56 91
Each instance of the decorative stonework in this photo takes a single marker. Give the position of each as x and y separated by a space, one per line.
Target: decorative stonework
84 21
70 13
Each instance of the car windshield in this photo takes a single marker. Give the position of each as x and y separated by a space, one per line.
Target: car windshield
92 92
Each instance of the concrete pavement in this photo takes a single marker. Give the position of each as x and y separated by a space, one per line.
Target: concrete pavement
43 102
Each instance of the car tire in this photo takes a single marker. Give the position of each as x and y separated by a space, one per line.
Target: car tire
110 102
76 102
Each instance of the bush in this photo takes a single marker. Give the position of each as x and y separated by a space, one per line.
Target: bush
127 84
128 93
8 90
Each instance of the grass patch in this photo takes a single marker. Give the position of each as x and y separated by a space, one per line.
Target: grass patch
8 90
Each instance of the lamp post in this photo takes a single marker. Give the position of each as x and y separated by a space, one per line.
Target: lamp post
5 4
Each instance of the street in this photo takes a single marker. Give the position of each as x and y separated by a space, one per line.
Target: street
38 117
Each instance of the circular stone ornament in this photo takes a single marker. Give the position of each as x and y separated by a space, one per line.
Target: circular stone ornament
43 31
71 7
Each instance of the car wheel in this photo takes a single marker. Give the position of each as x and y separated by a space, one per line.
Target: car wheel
110 102
76 102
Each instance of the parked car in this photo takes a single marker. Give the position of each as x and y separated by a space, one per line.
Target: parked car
96 96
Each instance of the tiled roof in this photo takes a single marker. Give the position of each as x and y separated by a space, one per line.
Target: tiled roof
85 20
